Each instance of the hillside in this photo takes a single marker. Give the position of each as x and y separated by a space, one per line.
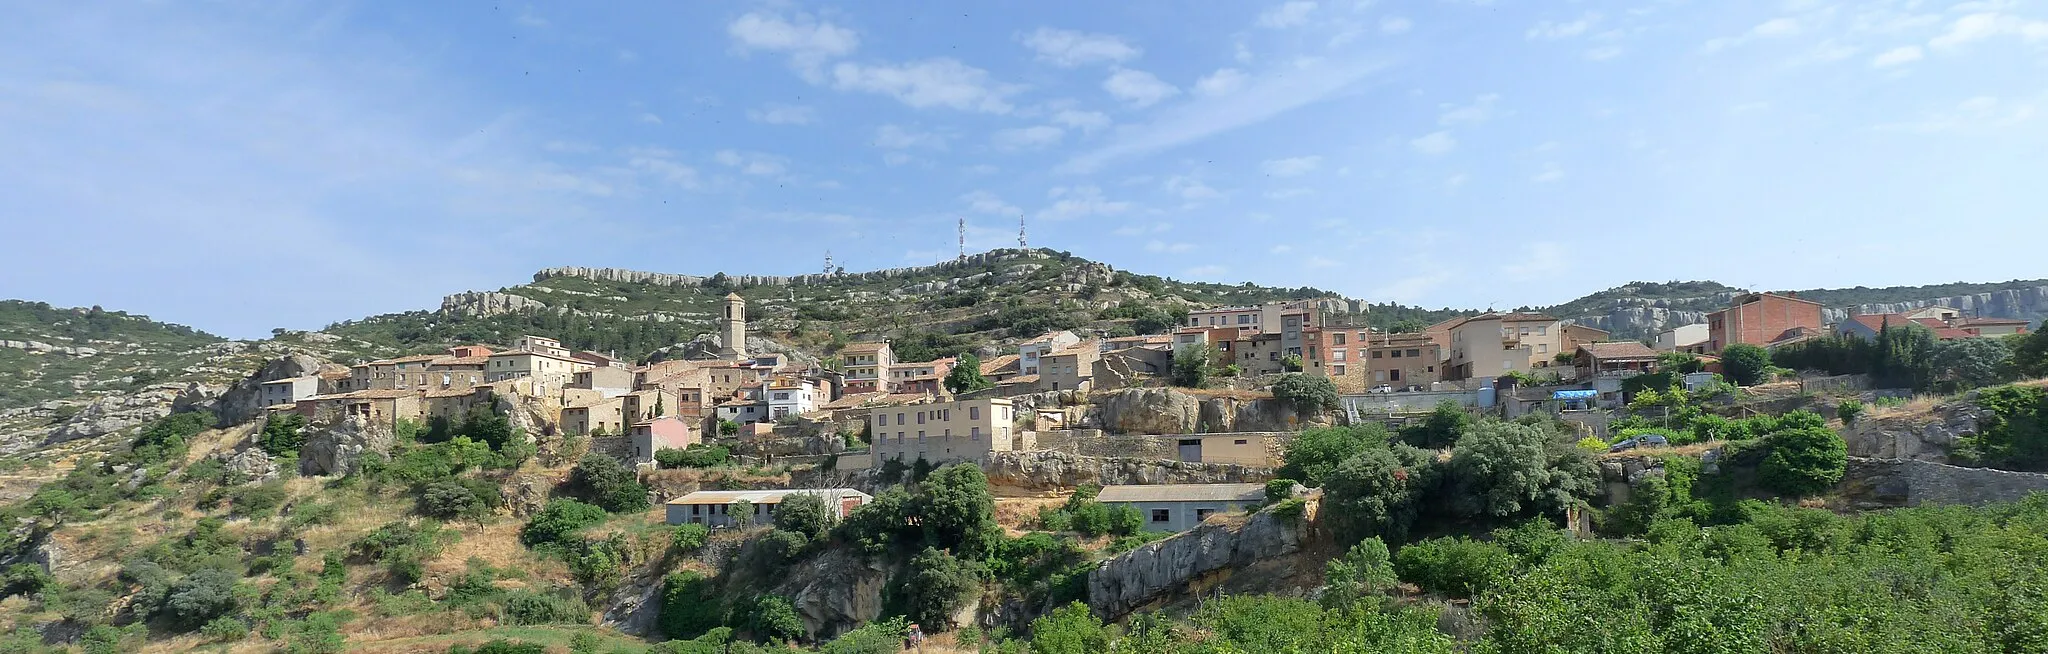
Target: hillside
1638 310
986 300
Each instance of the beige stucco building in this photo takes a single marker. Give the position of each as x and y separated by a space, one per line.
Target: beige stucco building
1494 344
966 430
867 366
1072 368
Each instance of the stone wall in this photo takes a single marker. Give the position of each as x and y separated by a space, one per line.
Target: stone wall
1043 470
1097 443
617 447
1174 411
1877 483
1195 560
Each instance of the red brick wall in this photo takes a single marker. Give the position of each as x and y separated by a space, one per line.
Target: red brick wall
1761 321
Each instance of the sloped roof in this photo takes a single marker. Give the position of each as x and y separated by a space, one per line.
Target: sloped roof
1619 350
864 347
1183 493
830 495
997 364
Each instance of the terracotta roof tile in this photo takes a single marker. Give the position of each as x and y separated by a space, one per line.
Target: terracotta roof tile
1619 350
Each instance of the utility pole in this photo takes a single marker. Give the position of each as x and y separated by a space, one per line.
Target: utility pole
1021 243
963 239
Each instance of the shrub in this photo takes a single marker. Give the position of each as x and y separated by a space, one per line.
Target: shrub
1308 394
690 605
461 498
1280 489
24 579
1848 410
259 501
1745 364
1502 469
1803 461
773 618
225 629
1443 427
695 456
1379 492
1314 453
1459 567
935 586
1070 629
500 646
608 483
559 521
402 547
878 637
529 608
599 563
199 598
1192 366
1363 571
281 437
805 514
691 537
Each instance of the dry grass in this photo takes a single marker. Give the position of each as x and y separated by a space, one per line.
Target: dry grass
1693 450
1017 514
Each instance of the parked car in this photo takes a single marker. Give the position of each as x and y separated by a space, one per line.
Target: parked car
1382 388
1653 440
1412 388
1629 444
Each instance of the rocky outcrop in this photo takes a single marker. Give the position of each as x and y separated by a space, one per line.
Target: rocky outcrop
111 413
39 347
2030 303
1157 571
1173 411
244 401
338 448
253 465
835 592
1879 483
972 261
1918 436
705 348
1046 470
488 303
1639 318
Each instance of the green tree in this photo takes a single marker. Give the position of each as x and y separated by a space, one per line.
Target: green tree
690 605
1459 566
1366 570
936 586
805 514
1070 629
1308 394
1803 461
774 619
485 425
1315 452
559 521
2030 352
281 435
1504 469
958 511
1379 492
608 483
1192 366
691 537
1745 364
1972 363
966 376
660 405
1443 426
200 597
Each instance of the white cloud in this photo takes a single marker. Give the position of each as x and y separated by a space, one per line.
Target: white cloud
1137 230
750 163
1137 88
1027 138
1455 181
661 165
939 82
1776 27
1068 48
1481 110
1984 25
1434 143
1603 53
648 117
1080 202
783 114
1897 56
808 41
1979 115
1395 25
1210 271
1224 80
1291 166
1191 189
895 137
1551 173
1287 193
1549 30
1288 14
1280 249
1263 97
1173 248
897 159
1087 121
988 203
530 19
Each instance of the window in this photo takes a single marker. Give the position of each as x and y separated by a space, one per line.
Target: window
1540 330
1504 365
920 436
1244 320
1415 353
1397 354
1376 353
974 433
1394 375
1202 515
974 413
1162 515
1240 442
899 419
1336 355
1337 339
1337 369
920 417
1542 348
1379 375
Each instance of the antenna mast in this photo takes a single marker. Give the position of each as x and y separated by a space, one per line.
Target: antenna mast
1021 243
963 238
828 263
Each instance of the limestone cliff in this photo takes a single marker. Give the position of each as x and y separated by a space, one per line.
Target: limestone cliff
1175 411
1199 559
1045 470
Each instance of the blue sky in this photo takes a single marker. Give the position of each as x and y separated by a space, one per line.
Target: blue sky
240 166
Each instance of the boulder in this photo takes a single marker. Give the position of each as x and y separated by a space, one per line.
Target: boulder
1149 411
244 401
1916 436
197 396
253 464
338 448
111 413
835 592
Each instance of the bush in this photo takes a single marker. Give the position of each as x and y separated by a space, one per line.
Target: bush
1458 567
1314 453
500 646
1745 364
1192 366
199 598
690 605
608 483
559 521
1280 489
805 514
1848 410
1379 492
691 537
225 629
24 579
1443 427
878 637
695 456
935 587
281 437
1803 461
773 619
260 501
1070 629
461 498
1502 470
1366 570
529 608
402 547
1308 394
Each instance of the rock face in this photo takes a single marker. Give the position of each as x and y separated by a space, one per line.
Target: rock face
836 592
1172 411
1878 483
1921 437
112 413
1640 318
253 464
338 449
973 261
1045 470
243 401
488 303
1156 571
705 348
2029 303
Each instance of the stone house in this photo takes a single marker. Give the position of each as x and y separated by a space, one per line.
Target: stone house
289 390
1617 360
943 432
650 436
1070 368
1494 344
1028 352
608 414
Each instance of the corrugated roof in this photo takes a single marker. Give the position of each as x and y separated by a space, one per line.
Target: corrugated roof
1184 493
774 496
